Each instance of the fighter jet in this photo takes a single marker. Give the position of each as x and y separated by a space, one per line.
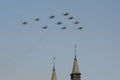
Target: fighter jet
64 28
76 22
37 19
59 23
51 17
45 27
80 28
70 17
66 14
25 22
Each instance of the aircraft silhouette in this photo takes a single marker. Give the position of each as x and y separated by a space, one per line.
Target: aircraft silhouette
45 27
71 17
64 28
59 23
25 22
66 14
80 28
37 19
51 17
76 22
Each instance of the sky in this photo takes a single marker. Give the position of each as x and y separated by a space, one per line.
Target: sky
26 51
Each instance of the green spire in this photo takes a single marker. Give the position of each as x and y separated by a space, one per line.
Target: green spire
75 64
54 77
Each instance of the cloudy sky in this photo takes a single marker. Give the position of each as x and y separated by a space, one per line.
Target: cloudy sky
26 51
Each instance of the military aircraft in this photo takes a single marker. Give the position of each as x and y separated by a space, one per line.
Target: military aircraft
51 17
64 28
59 23
76 22
80 28
71 17
66 14
45 27
37 19
25 22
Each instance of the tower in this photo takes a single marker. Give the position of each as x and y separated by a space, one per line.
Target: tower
75 75
54 77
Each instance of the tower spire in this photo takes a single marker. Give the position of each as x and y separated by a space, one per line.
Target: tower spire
53 77
75 75
75 64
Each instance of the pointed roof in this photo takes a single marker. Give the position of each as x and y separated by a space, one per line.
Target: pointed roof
54 77
75 64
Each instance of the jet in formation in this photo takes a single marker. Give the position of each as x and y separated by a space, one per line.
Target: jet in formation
70 17
25 22
64 28
77 22
59 23
37 19
80 28
66 14
45 27
51 17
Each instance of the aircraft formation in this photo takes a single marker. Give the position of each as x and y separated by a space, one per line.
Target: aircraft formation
60 23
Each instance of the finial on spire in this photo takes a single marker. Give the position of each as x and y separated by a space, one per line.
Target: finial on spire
53 63
54 77
75 50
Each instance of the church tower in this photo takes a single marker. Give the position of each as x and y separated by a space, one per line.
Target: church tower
54 77
75 75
